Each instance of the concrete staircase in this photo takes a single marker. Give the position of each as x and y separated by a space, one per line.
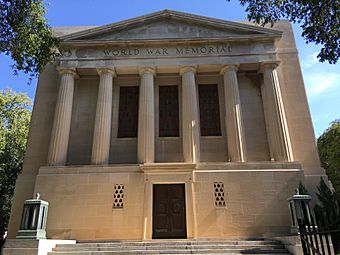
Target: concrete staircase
229 247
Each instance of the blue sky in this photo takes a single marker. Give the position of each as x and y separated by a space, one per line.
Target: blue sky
322 80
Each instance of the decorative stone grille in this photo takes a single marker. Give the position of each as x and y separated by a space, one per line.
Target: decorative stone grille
219 194
118 196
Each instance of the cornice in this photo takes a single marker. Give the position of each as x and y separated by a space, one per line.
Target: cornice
98 43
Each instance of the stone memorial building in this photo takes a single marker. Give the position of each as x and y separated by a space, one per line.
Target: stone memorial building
169 125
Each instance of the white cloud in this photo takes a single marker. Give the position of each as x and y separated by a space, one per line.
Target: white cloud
310 61
317 83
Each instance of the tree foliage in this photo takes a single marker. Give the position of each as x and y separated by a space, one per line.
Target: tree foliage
320 20
25 35
15 117
327 210
329 151
302 189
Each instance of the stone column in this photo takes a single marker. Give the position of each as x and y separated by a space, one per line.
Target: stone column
146 117
102 125
190 129
277 130
234 123
57 154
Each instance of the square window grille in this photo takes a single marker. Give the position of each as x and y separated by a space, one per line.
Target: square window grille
219 194
118 196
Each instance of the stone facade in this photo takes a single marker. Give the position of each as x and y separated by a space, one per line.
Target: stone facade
78 163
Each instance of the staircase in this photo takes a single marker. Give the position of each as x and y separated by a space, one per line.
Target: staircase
229 247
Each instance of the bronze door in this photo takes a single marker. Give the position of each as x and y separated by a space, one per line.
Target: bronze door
169 219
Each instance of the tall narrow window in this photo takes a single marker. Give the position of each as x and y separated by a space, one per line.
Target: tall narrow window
168 111
209 110
128 112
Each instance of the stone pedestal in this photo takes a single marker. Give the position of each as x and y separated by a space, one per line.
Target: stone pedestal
234 124
190 128
62 119
102 127
277 130
146 117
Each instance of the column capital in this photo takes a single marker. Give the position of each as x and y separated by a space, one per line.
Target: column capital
147 69
70 70
226 68
185 69
265 65
110 70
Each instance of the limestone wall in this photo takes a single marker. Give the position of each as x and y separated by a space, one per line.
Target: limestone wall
256 202
297 110
81 200
80 203
37 145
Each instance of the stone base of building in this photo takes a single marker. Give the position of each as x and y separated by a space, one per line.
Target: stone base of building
208 200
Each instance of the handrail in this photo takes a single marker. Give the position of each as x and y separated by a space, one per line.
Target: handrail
310 246
310 237
321 232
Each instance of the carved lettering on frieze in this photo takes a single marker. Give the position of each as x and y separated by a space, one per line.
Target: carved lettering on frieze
145 52
168 51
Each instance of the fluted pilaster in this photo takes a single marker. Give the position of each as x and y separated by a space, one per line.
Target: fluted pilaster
62 119
102 126
190 129
234 123
146 117
277 130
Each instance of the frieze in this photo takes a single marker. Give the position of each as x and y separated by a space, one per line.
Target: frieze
218 49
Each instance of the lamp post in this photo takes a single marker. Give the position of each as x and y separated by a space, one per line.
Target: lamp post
33 221
299 211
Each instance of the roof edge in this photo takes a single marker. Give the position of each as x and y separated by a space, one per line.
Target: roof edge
169 13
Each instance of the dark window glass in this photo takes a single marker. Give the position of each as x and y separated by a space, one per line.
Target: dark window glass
209 110
168 111
128 112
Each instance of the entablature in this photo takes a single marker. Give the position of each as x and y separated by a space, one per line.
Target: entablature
173 168
168 68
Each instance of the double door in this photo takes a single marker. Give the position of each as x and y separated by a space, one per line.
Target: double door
169 218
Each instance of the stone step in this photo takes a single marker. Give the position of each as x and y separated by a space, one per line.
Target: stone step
175 243
173 251
200 251
178 247
165 246
146 253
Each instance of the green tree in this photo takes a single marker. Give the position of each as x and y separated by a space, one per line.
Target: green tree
25 35
302 189
320 20
327 206
329 151
15 117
